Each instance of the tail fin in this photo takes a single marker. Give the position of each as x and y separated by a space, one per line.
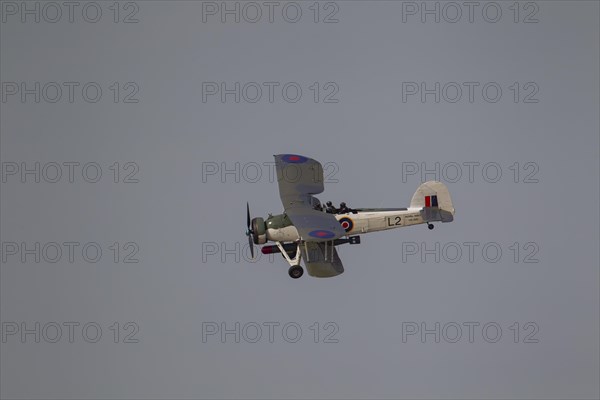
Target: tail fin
433 199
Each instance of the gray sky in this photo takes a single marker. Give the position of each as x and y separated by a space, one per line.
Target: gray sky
161 117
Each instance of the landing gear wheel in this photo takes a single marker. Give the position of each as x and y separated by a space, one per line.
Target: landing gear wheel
430 226
295 271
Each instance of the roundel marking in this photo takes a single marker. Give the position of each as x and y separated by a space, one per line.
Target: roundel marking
294 158
321 234
347 224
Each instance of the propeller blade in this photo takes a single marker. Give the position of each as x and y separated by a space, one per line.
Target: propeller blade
251 244
248 216
249 232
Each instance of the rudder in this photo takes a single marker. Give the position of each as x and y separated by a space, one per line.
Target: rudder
433 200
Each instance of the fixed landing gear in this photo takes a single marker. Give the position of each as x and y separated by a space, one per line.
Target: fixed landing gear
430 226
295 271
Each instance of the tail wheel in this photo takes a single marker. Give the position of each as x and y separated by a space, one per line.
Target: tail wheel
430 226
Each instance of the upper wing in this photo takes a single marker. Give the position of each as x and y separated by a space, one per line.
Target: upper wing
321 259
299 178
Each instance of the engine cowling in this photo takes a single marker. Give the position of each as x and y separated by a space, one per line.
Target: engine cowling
259 231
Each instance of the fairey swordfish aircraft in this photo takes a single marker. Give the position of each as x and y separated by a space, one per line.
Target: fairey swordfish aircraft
309 231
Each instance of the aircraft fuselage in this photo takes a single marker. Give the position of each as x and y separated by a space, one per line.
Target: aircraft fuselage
280 229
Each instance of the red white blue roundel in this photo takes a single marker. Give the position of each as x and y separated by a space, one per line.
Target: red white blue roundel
346 223
321 234
294 158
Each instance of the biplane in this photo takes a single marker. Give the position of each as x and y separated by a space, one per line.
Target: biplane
309 231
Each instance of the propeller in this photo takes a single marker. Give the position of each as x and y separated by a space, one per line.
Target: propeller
249 231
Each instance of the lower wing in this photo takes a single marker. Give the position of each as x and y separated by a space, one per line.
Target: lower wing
321 259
